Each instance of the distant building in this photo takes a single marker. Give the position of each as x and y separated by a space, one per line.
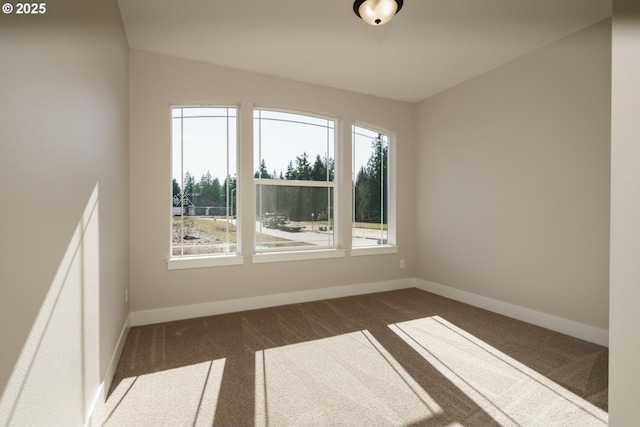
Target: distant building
185 208
198 204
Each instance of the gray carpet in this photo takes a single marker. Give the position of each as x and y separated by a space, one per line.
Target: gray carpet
399 358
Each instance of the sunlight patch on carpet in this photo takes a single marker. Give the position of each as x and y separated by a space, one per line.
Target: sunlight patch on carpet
186 395
348 379
506 390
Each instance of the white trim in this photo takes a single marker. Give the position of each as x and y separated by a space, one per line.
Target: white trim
298 255
147 317
295 183
549 321
208 261
93 419
373 250
555 323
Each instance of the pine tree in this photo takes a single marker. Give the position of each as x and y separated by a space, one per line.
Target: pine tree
371 185
303 167
204 186
262 171
291 173
229 182
215 190
176 187
319 170
189 184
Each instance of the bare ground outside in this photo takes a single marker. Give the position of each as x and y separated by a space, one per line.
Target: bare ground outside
211 235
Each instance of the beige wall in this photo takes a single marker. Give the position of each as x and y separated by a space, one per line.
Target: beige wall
159 81
63 225
503 191
513 181
624 338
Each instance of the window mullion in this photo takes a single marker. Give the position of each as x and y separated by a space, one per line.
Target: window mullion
226 197
381 190
182 193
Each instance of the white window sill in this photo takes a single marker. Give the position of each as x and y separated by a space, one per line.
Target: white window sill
298 255
204 261
374 250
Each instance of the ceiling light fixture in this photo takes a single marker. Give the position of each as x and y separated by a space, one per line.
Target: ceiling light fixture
377 12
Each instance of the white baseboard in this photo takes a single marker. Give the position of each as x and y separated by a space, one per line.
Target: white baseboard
555 323
147 317
101 396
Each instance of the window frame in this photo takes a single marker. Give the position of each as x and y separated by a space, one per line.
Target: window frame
391 247
182 261
278 254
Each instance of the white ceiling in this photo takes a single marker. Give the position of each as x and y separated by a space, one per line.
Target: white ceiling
429 46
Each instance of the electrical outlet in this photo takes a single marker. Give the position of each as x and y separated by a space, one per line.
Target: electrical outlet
402 264
126 295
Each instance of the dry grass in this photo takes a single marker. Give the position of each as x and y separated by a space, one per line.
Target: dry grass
204 235
201 236
369 225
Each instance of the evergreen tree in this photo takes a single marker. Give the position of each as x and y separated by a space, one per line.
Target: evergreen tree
266 196
189 184
215 191
290 172
371 185
299 200
330 165
361 189
204 187
296 203
320 197
319 170
229 182
176 187
262 171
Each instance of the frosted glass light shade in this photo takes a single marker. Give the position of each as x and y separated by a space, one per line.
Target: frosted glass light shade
377 12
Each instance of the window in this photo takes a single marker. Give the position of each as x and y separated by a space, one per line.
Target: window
294 181
203 141
370 196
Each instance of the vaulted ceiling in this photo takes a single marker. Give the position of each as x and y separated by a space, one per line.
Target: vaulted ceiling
429 46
